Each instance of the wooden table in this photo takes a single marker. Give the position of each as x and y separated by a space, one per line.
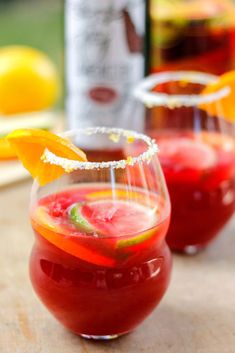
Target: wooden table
196 316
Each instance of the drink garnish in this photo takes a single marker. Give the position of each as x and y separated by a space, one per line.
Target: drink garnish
30 145
114 218
227 102
45 225
130 139
131 241
129 160
79 221
187 153
114 137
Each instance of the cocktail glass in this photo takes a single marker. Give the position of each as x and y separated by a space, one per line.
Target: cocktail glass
100 262
197 154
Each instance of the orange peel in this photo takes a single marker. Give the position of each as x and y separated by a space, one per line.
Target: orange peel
227 102
29 146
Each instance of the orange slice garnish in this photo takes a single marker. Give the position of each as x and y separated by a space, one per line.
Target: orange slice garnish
30 144
226 103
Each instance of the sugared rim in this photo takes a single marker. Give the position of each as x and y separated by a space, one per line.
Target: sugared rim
143 90
114 135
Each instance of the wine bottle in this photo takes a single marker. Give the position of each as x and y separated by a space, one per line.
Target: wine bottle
104 60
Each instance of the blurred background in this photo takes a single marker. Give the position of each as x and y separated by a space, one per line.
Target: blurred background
35 23
176 35
177 30
180 34
38 24
31 73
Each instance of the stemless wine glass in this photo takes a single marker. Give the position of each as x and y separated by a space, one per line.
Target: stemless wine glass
197 153
100 262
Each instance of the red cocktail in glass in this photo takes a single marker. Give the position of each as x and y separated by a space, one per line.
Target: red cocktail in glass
197 153
200 174
100 263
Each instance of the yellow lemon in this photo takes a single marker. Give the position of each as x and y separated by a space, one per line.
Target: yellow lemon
28 80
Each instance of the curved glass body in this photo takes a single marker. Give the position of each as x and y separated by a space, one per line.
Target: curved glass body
100 262
197 154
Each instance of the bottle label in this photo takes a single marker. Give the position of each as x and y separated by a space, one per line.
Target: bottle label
104 61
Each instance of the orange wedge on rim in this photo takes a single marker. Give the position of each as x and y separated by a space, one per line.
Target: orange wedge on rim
226 103
30 144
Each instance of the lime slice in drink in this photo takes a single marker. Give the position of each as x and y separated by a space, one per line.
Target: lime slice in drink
140 238
76 217
115 218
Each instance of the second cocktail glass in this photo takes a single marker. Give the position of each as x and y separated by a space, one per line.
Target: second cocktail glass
197 153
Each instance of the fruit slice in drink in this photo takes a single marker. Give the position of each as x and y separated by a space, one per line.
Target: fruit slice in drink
189 156
187 153
64 239
96 231
116 219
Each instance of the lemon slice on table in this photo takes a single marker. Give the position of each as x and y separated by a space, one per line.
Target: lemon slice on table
29 146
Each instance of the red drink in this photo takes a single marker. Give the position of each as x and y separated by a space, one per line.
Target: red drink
200 172
104 154
100 263
197 153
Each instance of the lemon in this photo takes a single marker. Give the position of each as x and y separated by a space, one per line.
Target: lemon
28 80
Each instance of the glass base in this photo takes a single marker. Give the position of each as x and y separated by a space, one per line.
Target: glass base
102 338
191 250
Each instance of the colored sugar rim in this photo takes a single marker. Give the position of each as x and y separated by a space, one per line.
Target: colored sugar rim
113 134
144 94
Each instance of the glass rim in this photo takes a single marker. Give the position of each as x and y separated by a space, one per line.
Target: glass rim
70 165
150 99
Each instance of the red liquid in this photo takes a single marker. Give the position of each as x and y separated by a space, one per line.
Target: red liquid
103 155
101 285
201 183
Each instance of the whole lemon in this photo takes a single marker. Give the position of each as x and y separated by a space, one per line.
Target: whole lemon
28 80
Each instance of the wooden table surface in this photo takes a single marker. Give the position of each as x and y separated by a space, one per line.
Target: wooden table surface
196 316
